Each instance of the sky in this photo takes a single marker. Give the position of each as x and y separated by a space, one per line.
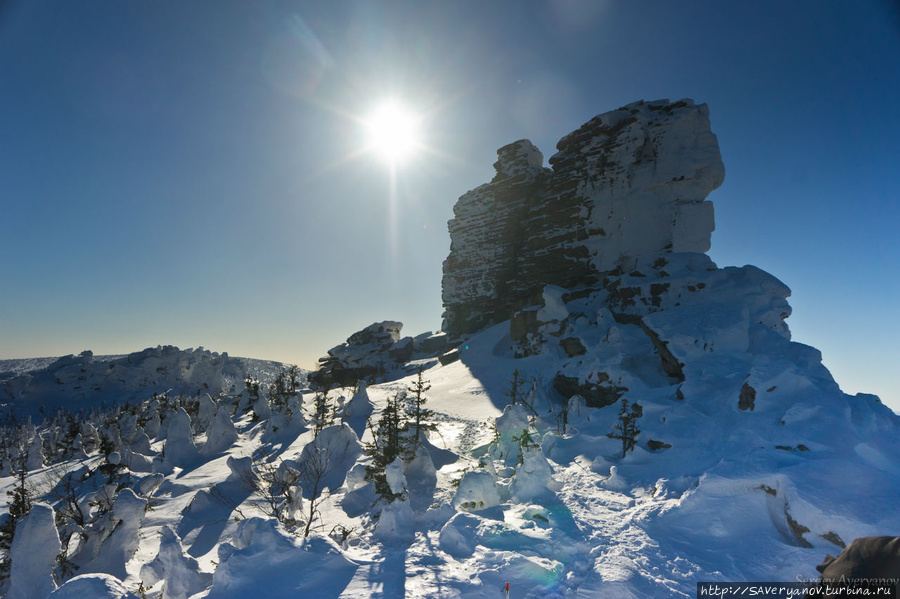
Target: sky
198 173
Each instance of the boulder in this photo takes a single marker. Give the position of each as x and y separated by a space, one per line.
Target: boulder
866 558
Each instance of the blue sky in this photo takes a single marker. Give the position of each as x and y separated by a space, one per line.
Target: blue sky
191 173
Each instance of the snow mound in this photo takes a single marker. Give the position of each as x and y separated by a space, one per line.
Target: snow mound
396 522
458 536
477 491
94 586
264 560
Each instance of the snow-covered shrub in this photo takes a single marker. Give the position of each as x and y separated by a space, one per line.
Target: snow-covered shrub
261 550
112 539
477 491
180 449
513 435
261 408
206 410
421 477
359 406
221 433
179 572
533 477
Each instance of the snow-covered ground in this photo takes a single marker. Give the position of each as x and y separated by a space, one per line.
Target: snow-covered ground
724 493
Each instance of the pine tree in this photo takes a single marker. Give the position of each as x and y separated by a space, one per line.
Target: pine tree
526 443
627 430
514 393
386 446
417 414
253 393
322 412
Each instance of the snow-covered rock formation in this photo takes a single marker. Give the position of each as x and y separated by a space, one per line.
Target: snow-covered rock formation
628 184
374 352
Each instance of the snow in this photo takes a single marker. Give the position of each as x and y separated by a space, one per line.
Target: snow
179 573
264 560
180 449
359 406
95 586
395 479
533 477
730 494
396 522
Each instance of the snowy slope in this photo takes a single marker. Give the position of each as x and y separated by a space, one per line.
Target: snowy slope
727 494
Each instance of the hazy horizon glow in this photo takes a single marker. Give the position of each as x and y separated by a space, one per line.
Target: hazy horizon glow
197 174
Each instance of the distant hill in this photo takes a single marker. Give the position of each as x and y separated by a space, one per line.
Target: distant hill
86 381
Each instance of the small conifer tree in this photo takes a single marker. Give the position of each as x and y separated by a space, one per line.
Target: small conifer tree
526 443
253 393
626 430
386 446
417 414
322 412
515 391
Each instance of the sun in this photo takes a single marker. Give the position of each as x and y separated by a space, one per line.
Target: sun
392 132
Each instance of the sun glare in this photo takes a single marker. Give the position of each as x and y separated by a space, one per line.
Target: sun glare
392 132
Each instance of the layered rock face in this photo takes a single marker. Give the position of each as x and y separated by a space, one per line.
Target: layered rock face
628 184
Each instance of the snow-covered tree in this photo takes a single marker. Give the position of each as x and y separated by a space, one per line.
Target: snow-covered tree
285 386
20 503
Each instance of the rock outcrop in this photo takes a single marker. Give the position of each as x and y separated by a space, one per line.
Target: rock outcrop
372 353
628 184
